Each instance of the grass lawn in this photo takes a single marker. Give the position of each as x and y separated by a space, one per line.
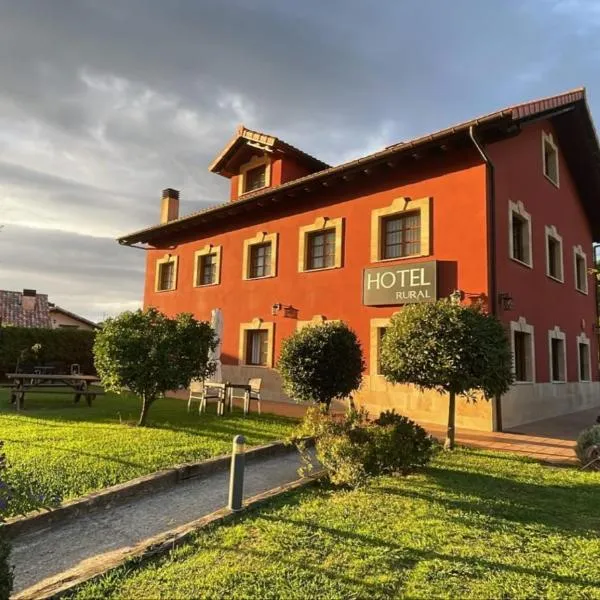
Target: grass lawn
473 525
59 450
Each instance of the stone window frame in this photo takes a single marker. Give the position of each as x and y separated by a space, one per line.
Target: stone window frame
557 334
551 232
519 209
257 324
208 249
253 163
548 140
578 252
262 237
398 206
321 224
522 326
582 339
167 258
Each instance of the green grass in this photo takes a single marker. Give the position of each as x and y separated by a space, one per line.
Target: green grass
473 525
59 450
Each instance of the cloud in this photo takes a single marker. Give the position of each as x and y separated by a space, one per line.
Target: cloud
104 103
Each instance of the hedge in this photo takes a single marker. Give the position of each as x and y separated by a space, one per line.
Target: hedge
59 347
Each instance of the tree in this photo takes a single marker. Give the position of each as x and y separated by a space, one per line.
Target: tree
449 348
150 353
321 363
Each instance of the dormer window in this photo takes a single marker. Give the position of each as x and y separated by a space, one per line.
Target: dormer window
255 178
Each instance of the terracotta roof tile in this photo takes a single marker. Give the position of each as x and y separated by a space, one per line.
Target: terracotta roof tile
13 313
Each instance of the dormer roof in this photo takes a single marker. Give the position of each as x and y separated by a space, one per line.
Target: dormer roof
224 163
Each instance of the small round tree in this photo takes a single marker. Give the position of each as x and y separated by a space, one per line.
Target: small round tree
450 348
321 363
150 353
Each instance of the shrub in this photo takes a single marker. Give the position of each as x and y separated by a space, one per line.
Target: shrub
6 572
588 447
321 363
352 449
59 347
151 354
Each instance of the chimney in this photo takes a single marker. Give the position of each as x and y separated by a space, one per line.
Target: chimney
169 205
28 301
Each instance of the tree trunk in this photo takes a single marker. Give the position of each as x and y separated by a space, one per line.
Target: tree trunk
146 402
449 443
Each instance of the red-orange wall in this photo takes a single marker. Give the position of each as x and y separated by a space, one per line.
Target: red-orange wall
544 302
456 183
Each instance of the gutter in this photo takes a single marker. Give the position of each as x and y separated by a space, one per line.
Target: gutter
491 247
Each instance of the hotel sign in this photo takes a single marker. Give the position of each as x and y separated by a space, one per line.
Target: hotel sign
400 284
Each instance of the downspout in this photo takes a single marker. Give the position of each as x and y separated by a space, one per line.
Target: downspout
491 248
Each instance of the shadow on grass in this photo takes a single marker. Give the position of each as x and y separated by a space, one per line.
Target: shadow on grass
565 509
413 555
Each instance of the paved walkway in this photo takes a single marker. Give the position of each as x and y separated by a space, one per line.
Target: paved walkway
547 449
63 546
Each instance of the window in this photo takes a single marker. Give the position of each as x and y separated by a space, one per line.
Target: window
207 266
520 234
254 175
401 235
207 269
381 331
583 358
401 229
554 254
257 344
580 266
260 261
320 244
523 349
255 178
558 357
550 158
260 256
321 249
166 274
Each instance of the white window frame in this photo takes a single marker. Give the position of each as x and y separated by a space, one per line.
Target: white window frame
519 209
582 338
578 252
547 139
522 326
557 334
552 233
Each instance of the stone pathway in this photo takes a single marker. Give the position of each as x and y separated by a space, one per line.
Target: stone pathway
65 545
551 450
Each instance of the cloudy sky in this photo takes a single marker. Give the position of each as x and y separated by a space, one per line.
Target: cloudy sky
104 103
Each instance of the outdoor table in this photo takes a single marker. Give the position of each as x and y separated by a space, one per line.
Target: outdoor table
227 387
25 382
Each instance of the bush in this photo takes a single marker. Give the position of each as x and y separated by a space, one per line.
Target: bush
6 572
588 446
321 363
353 448
59 347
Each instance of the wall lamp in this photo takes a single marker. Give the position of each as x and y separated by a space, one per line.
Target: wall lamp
288 309
457 296
505 301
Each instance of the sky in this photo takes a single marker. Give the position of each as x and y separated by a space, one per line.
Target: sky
103 103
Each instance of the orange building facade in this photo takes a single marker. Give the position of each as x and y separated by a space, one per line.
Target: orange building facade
495 210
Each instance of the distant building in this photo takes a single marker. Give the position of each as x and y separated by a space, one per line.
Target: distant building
30 309
501 210
61 318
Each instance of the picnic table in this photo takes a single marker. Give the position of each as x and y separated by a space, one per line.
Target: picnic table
46 383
